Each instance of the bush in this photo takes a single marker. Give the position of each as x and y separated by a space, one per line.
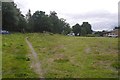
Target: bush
91 35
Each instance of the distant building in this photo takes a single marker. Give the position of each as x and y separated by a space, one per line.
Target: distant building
113 33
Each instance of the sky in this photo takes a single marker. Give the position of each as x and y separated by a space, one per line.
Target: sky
101 14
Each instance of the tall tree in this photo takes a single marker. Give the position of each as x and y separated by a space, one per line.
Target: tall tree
22 24
77 29
86 28
12 19
41 21
55 28
10 16
66 29
28 15
30 22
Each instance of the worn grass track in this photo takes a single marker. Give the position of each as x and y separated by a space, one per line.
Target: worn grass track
35 61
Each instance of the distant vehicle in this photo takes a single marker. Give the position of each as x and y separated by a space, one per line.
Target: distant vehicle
4 32
112 35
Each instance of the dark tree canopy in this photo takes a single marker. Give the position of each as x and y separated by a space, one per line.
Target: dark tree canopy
82 30
12 19
86 28
39 21
77 29
9 16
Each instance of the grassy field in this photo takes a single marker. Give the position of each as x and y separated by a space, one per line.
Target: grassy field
15 54
61 56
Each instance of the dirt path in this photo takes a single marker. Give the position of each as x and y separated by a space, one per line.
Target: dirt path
35 63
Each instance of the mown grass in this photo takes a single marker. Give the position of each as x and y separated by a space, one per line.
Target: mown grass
76 57
15 54
60 56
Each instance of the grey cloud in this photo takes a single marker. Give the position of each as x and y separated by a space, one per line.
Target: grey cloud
104 26
23 5
94 14
119 13
100 20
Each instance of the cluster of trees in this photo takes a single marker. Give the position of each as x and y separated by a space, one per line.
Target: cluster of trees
82 30
39 21
14 21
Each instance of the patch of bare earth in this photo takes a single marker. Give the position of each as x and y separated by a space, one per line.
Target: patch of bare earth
87 50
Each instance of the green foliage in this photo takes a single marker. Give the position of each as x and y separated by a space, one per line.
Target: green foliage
77 29
22 24
14 21
86 28
67 29
12 18
40 22
55 22
30 23
98 33
9 16
82 30
91 35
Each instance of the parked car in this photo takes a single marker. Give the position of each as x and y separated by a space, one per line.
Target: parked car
4 32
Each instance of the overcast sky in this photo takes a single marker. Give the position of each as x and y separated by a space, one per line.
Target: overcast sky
101 14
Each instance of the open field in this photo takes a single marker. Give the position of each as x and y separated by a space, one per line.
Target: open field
15 54
60 56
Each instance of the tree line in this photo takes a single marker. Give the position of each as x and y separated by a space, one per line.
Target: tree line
82 30
13 20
